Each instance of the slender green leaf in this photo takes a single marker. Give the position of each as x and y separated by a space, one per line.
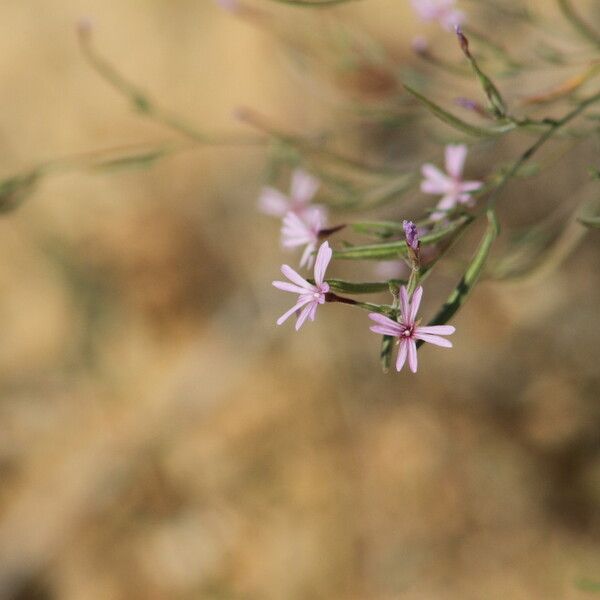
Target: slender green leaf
457 123
471 275
588 585
379 228
590 214
489 88
348 287
133 161
385 354
14 190
392 250
578 23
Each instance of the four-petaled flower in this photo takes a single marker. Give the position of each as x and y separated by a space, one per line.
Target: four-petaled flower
303 231
452 187
302 190
309 295
442 11
408 330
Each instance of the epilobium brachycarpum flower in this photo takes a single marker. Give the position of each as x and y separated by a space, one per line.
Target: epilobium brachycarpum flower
302 190
303 231
309 295
450 185
442 11
408 329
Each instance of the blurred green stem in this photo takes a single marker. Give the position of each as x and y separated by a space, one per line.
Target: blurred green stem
145 106
578 23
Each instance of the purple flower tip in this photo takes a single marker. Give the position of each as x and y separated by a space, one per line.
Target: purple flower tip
412 234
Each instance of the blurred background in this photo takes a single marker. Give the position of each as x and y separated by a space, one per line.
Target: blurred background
161 438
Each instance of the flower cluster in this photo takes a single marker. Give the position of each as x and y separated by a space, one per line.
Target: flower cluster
302 220
303 226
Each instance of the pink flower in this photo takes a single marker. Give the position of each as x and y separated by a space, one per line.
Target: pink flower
408 330
442 11
451 186
303 231
302 190
309 295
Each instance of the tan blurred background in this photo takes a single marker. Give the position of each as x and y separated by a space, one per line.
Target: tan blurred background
160 438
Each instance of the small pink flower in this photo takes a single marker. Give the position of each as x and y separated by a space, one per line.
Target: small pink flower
408 330
309 295
303 231
451 186
442 11
302 190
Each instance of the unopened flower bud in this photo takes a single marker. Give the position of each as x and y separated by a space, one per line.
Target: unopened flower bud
412 235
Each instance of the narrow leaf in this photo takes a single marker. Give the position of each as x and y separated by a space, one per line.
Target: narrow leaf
471 275
394 249
457 123
133 161
14 190
590 214
348 287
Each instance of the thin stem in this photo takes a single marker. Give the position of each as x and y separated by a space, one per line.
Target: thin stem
378 308
145 106
529 153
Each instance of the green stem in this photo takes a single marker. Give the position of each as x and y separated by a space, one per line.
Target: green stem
531 151
145 106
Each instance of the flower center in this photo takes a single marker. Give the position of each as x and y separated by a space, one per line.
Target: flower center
408 332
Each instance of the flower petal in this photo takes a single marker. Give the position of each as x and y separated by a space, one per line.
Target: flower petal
384 330
435 181
273 202
301 302
437 329
470 186
404 304
304 186
304 315
284 286
444 206
412 355
401 354
323 259
416 302
433 339
455 159
295 232
307 256
452 19
387 322
296 278
313 311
